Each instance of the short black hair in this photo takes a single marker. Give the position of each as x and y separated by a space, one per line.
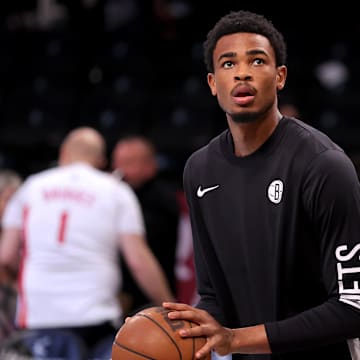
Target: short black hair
244 21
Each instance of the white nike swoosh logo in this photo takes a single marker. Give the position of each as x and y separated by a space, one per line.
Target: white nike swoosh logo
201 192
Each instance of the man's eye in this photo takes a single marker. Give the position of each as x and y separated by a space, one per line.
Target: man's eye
258 61
228 64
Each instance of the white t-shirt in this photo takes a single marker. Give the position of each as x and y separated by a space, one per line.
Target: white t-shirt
71 218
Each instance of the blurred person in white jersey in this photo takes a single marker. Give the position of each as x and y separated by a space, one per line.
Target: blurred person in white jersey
72 220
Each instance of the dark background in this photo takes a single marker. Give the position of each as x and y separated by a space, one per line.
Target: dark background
127 66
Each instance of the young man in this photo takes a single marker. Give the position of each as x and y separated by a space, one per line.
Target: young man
275 211
73 220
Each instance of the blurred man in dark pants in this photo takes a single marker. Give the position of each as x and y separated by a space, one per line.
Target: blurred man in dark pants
134 160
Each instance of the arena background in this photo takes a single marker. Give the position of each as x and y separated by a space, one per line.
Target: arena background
127 66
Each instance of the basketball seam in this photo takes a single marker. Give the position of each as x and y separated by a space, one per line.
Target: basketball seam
162 329
133 351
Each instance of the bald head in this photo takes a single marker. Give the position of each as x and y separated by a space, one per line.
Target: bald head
83 144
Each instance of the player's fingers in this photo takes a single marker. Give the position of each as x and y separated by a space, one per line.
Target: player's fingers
203 353
195 315
194 331
176 306
189 315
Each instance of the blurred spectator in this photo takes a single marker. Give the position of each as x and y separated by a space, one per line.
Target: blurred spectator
134 160
74 219
10 180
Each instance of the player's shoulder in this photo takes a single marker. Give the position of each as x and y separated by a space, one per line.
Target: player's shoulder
117 184
315 148
307 135
109 182
40 176
210 149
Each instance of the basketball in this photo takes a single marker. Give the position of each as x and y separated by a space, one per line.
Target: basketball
150 334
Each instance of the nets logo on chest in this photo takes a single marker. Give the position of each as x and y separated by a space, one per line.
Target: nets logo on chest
275 191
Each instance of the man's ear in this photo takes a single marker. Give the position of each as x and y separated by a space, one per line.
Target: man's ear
281 77
212 83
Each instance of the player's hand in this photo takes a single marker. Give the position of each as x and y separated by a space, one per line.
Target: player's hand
218 338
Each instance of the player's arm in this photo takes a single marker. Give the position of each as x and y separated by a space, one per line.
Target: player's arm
145 268
331 194
9 253
11 234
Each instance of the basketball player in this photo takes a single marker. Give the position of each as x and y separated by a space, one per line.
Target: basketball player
275 211
74 219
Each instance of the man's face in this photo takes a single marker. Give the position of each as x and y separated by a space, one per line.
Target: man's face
246 78
135 162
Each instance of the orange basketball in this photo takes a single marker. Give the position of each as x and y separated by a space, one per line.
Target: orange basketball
150 334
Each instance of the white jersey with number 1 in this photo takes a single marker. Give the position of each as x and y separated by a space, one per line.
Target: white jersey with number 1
71 218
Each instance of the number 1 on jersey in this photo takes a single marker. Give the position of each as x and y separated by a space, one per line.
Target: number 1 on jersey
62 228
